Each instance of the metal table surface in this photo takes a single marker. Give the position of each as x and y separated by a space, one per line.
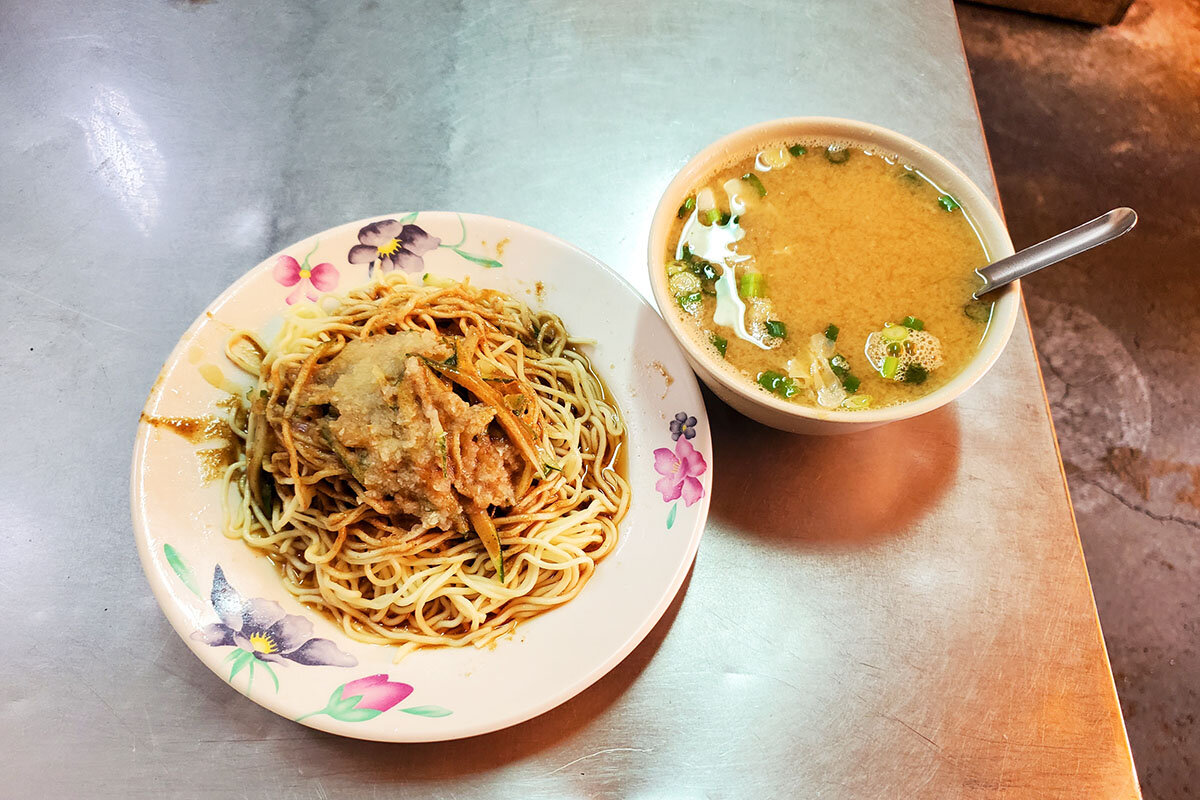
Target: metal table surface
904 612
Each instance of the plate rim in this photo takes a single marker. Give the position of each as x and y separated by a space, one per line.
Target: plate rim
165 601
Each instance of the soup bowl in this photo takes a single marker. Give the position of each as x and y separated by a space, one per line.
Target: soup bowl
737 389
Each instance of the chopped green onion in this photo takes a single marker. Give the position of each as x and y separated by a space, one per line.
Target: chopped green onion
723 219
915 373
705 269
719 342
831 332
710 216
797 150
978 310
893 348
839 365
675 267
913 324
837 155
343 454
450 364
895 333
682 283
752 284
687 206
890 365
948 203
777 383
437 280
267 489
753 180
441 444
841 368
688 302
777 329
857 403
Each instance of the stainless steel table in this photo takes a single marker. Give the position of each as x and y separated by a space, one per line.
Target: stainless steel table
901 613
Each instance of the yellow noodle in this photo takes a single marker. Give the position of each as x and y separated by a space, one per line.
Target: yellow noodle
390 581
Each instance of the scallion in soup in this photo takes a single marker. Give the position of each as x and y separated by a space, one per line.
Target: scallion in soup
829 275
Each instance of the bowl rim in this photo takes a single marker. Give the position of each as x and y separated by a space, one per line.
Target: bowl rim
987 220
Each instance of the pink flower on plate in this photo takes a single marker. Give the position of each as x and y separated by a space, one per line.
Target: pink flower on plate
680 470
309 281
375 693
363 699
367 698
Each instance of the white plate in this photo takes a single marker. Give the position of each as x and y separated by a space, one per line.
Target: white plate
448 693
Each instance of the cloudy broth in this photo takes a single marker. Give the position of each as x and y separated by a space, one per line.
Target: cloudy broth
829 276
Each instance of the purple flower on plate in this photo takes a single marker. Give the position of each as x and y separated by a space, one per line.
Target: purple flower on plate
684 426
394 245
260 630
680 470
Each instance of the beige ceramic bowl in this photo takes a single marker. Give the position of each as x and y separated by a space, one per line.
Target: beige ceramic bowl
737 390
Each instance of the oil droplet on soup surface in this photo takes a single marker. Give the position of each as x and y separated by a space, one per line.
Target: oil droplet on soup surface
830 236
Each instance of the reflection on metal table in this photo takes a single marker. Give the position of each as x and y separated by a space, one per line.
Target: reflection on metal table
904 612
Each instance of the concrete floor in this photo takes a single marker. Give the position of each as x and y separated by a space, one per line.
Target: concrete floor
1080 120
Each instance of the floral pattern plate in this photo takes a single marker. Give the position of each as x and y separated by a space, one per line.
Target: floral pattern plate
226 602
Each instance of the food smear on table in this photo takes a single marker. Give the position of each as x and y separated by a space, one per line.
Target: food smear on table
426 462
829 275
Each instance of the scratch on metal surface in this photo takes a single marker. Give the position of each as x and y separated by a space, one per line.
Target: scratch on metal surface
791 686
93 38
149 727
1009 742
598 753
932 743
83 314
489 11
112 711
258 739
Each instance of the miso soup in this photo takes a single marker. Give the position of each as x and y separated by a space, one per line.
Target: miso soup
829 275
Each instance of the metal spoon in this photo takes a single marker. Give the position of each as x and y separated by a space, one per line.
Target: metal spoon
1102 229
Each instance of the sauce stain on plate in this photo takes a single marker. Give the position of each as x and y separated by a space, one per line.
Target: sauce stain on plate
198 430
658 367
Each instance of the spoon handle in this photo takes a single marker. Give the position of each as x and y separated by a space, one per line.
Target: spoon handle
1102 229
